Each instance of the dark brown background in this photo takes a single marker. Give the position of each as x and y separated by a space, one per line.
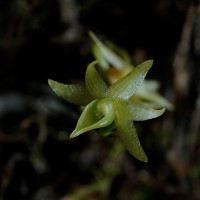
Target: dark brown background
48 39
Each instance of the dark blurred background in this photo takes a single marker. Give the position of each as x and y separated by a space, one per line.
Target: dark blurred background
41 39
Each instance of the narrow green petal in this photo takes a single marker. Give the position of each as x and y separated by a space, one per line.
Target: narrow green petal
128 135
94 83
98 56
129 84
136 111
120 52
123 58
150 85
76 94
96 115
127 132
154 98
107 53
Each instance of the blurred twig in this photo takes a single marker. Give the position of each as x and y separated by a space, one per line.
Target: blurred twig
186 117
180 64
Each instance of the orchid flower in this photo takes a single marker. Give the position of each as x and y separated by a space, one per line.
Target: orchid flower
106 106
116 63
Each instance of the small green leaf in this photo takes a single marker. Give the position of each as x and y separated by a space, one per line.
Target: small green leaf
129 84
94 83
93 118
76 94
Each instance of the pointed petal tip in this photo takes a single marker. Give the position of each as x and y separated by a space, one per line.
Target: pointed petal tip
52 84
93 63
162 111
148 63
73 135
50 81
142 158
77 132
93 36
145 159
90 33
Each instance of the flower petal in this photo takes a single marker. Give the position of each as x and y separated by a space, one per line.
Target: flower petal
77 94
95 115
98 56
136 111
94 83
148 93
129 84
107 53
127 132
128 135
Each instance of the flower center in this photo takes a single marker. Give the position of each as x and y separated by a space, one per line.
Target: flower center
105 106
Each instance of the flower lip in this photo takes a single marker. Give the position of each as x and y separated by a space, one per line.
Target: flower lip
97 114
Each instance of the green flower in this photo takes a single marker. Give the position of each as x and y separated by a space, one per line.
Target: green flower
110 57
108 106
